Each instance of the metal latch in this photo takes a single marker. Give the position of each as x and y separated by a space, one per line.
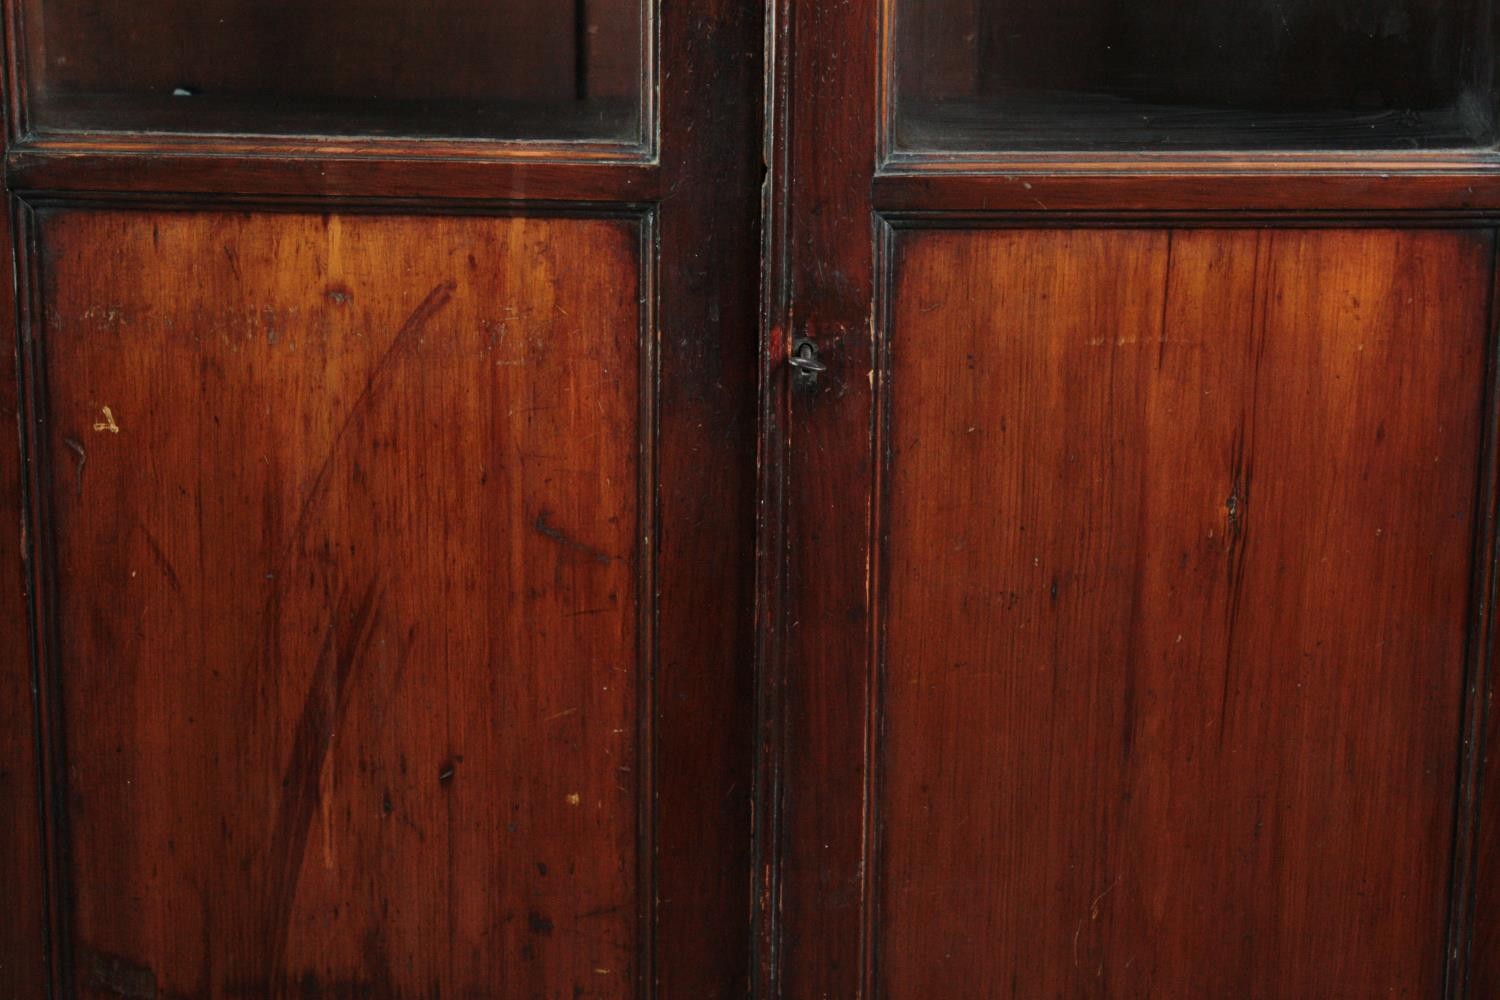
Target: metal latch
804 359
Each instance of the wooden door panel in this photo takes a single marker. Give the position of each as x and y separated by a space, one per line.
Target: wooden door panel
350 600
1176 535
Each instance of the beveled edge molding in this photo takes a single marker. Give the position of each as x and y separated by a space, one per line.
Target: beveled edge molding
1178 187
877 584
1478 669
31 171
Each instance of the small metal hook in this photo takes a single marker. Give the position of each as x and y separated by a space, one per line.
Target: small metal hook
804 359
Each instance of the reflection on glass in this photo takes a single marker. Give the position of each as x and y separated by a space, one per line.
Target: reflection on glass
507 69
978 75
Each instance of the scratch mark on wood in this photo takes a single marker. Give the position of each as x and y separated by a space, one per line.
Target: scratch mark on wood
1094 906
83 458
374 384
161 559
322 712
108 423
545 529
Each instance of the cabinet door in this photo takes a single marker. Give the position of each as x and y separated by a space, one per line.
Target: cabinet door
1137 553
388 435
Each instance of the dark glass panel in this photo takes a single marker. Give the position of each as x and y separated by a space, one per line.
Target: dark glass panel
980 75
503 69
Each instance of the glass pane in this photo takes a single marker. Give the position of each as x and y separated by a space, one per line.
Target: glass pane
503 69
990 75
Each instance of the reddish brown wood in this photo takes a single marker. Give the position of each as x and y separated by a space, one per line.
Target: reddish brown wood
364 170
827 932
684 199
1177 554
1223 187
693 194
818 682
349 549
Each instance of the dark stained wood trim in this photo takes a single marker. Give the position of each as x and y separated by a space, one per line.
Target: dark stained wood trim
237 146
38 553
1385 219
1191 162
823 450
320 176
121 201
648 661
878 586
23 934
1054 191
1478 684
708 239
14 73
885 82
770 556
1480 967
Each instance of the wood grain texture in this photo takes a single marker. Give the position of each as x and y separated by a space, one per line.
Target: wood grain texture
425 172
347 613
1176 554
828 146
708 280
699 188
834 193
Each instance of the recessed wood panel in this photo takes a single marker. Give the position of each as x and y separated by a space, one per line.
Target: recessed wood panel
345 519
1177 541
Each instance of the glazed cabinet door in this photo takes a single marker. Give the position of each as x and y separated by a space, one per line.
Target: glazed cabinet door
1131 632
384 499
